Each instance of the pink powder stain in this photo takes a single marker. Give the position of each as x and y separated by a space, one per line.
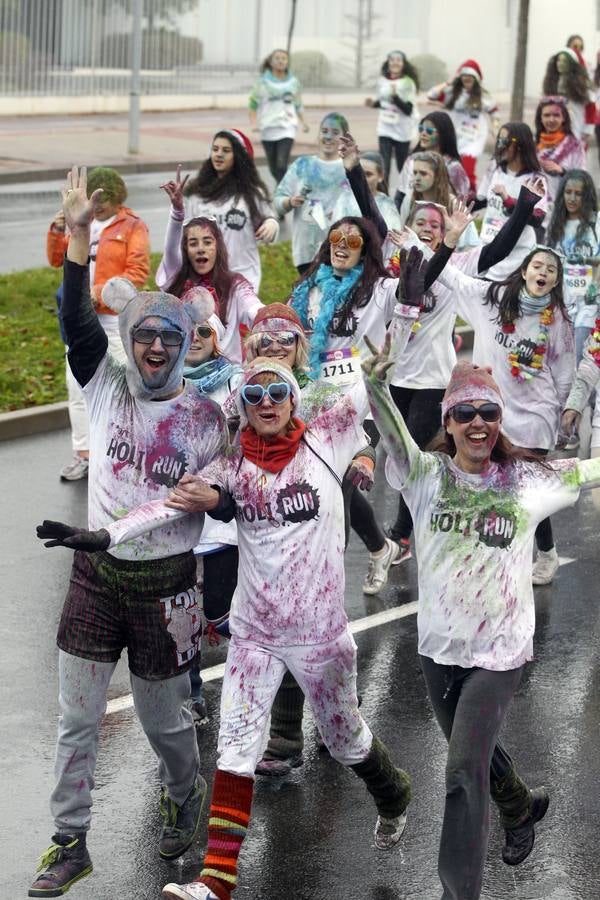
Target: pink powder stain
482 626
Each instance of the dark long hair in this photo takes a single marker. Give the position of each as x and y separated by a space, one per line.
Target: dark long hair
587 214
503 452
520 134
408 69
552 101
504 296
266 63
370 257
446 134
222 279
242 181
577 81
475 100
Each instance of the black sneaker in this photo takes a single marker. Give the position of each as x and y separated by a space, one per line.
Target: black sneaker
64 863
279 768
519 841
181 823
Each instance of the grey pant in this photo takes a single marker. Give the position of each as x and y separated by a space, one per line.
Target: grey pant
166 723
470 706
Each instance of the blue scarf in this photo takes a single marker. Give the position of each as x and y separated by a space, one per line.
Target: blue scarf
210 375
334 292
531 306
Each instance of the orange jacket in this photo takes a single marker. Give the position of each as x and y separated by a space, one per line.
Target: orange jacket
123 249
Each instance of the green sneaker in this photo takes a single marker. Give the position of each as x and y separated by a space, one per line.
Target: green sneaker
181 823
64 863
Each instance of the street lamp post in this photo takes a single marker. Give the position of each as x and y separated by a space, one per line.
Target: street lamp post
134 90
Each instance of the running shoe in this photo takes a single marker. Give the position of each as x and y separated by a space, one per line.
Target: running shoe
63 864
278 768
198 709
181 823
389 831
545 566
193 891
379 566
75 470
518 842
405 552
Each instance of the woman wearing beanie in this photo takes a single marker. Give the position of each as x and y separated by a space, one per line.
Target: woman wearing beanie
315 190
469 108
229 188
567 76
275 108
475 502
397 104
195 254
558 149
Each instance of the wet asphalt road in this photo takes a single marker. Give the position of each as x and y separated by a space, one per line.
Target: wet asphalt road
310 836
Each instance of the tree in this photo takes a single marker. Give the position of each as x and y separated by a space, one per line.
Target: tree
518 89
291 28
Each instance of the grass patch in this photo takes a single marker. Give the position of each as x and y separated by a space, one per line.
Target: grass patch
30 339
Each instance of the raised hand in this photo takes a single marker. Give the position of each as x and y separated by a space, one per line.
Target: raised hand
78 210
57 534
174 190
456 220
412 276
349 152
379 363
536 185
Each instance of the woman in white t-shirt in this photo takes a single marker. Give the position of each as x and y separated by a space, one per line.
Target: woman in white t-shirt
475 503
275 108
229 188
397 104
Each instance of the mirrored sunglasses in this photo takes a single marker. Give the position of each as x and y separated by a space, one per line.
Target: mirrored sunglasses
283 338
254 394
148 335
466 412
353 241
427 129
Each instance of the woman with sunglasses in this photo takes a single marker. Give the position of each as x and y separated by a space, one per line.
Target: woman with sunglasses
315 190
476 500
558 149
514 162
196 254
229 189
436 134
397 104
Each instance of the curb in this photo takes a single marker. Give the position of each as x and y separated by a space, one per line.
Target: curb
136 168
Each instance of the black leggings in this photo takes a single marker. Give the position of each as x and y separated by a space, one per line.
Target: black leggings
421 410
400 149
278 156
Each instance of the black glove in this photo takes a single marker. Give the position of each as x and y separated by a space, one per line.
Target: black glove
74 538
404 105
412 277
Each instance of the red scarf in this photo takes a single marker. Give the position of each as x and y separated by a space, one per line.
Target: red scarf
273 455
549 139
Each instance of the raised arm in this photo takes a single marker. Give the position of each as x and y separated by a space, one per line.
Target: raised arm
505 241
172 261
363 195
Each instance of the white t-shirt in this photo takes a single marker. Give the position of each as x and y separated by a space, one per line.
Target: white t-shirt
474 542
139 449
96 229
276 102
578 277
471 125
533 407
237 228
392 122
290 587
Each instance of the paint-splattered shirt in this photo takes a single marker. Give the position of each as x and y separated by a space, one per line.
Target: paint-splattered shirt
140 449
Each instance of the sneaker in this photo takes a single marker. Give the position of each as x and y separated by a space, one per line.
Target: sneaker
545 566
573 442
389 831
518 842
405 552
193 891
75 470
377 574
64 863
181 823
198 710
277 768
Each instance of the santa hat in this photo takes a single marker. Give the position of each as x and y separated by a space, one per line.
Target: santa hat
467 383
470 67
243 139
277 317
258 366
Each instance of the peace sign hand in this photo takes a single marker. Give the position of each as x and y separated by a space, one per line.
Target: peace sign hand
174 190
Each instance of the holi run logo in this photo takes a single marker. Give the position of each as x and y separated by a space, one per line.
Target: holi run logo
297 502
525 350
184 623
162 464
342 324
235 219
495 529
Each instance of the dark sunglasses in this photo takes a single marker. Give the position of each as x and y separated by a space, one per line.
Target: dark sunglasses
254 394
283 338
466 412
204 331
427 129
148 335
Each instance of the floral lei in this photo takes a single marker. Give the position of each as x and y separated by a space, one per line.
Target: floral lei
594 345
521 371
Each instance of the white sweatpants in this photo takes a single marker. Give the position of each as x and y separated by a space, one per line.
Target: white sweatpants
327 675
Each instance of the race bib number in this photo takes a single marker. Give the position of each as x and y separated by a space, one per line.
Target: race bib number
577 282
390 116
494 218
313 212
468 129
340 367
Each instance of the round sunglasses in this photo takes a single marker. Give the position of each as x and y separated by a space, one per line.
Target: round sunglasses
353 241
254 394
466 412
204 331
148 336
283 338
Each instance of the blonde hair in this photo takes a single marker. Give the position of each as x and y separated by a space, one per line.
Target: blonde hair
252 349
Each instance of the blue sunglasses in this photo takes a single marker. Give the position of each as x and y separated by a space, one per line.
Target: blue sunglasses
254 394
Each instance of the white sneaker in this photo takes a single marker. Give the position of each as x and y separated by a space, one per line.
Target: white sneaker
193 891
379 566
75 470
545 566
389 831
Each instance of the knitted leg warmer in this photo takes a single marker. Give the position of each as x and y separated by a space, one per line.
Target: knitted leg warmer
389 786
286 737
512 797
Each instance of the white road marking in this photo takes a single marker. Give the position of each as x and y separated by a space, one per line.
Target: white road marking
215 672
